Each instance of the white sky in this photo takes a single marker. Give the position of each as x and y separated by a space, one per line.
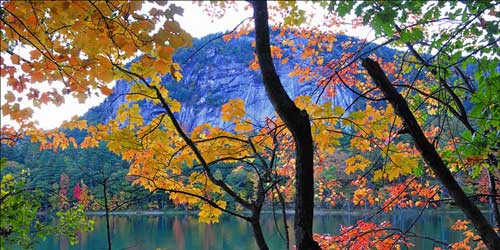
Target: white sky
195 21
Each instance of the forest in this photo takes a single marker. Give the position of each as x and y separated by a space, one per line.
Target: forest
286 113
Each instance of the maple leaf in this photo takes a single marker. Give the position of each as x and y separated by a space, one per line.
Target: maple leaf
106 91
460 225
233 111
357 162
165 53
243 126
209 214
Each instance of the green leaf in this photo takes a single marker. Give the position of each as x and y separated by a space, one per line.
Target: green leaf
476 171
418 170
344 7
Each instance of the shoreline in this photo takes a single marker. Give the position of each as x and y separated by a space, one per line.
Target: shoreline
288 211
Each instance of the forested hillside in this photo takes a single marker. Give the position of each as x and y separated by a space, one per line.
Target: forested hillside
214 71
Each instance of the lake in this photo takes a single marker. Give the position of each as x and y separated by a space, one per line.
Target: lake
183 232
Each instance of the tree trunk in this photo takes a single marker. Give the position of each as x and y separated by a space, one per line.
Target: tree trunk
257 232
461 115
493 191
297 121
431 156
285 223
106 207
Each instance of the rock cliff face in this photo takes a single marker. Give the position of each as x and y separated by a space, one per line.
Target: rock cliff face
213 75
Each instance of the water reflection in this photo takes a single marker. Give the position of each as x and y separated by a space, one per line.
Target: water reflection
183 232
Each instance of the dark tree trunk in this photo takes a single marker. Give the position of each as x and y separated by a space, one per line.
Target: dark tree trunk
431 156
461 115
285 223
493 191
106 207
297 121
257 233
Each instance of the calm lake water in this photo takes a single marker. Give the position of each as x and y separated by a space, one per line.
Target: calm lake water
183 232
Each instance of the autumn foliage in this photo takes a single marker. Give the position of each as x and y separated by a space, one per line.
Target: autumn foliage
363 155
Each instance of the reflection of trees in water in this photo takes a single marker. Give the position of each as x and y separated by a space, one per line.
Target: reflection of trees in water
208 236
63 243
178 229
152 220
119 226
184 232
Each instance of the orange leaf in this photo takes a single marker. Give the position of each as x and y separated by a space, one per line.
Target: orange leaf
161 66
34 54
227 37
15 59
308 52
45 98
165 53
254 65
37 76
26 67
10 97
32 20
107 76
106 91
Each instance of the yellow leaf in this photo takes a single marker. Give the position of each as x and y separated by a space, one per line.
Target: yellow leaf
121 115
302 101
320 60
139 92
89 142
155 80
176 66
175 106
209 214
177 75
357 162
234 110
244 126
106 76
135 116
378 174
338 110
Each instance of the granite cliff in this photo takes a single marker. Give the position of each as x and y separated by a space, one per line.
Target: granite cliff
219 72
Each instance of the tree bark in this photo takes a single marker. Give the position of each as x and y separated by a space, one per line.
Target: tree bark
257 233
493 191
431 157
106 207
285 223
297 121
461 115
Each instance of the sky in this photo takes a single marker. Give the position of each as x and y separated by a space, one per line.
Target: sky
194 20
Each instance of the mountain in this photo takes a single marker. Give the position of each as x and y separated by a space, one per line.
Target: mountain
215 71
212 75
